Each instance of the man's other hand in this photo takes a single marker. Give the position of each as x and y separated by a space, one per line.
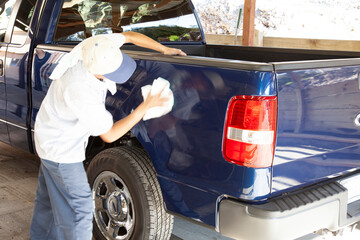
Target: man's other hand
174 51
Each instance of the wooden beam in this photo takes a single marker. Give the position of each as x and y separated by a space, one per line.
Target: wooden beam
249 23
301 43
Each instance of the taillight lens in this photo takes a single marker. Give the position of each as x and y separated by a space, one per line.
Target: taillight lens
249 134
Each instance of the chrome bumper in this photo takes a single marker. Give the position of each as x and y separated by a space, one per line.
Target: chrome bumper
293 215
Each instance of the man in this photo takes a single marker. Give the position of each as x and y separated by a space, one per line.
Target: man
73 110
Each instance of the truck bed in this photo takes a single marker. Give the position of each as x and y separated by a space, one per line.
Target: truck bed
259 54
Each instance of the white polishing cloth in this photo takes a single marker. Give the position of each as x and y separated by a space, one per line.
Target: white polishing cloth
155 88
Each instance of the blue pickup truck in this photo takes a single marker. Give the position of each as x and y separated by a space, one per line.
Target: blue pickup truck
262 143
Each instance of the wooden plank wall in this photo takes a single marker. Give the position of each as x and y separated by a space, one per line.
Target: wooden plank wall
259 40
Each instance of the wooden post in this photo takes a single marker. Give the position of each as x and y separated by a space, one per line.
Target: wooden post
249 23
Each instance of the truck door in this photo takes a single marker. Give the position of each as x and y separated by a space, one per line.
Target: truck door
5 12
318 122
16 78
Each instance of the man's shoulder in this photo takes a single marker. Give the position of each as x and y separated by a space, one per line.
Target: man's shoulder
75 77
82 90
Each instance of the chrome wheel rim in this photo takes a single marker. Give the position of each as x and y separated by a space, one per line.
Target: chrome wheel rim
114 208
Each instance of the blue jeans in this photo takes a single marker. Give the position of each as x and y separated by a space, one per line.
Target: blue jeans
63 206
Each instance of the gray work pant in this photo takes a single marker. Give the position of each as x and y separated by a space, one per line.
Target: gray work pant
63 206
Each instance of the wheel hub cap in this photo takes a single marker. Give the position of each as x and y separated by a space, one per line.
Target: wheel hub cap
114 209
117 206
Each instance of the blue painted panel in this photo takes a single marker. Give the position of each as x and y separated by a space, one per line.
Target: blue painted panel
16 93
317 137
186 144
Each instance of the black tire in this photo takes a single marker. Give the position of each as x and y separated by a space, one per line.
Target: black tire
126 192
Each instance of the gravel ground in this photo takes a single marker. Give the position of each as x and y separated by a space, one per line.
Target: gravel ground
322 19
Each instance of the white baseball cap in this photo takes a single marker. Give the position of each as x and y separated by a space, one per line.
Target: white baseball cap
101 55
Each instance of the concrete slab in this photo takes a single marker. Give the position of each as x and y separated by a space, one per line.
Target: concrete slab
18 182
18 178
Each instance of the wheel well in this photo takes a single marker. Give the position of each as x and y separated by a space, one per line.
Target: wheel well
96 145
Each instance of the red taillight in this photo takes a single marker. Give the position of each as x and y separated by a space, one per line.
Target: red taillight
249 134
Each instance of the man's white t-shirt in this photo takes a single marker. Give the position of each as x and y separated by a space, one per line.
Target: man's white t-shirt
71 112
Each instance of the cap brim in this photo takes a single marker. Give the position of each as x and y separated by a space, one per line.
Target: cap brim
124 72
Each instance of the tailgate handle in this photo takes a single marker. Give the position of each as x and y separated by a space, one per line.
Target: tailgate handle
357 120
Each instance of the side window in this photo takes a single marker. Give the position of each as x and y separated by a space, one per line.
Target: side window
162 20
5 12
22 21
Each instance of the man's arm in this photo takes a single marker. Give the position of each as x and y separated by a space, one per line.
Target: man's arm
146 42
124 125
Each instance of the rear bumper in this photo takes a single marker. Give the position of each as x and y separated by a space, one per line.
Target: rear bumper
290 216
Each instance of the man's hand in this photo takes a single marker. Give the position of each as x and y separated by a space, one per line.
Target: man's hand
125 124
173 51
155 100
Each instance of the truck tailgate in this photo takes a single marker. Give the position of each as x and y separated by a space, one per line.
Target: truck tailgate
318 122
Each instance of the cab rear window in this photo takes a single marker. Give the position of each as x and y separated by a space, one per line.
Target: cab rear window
163 20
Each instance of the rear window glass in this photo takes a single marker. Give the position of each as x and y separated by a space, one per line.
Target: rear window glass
163 20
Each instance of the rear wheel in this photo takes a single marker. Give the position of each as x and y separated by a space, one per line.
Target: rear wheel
127 196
